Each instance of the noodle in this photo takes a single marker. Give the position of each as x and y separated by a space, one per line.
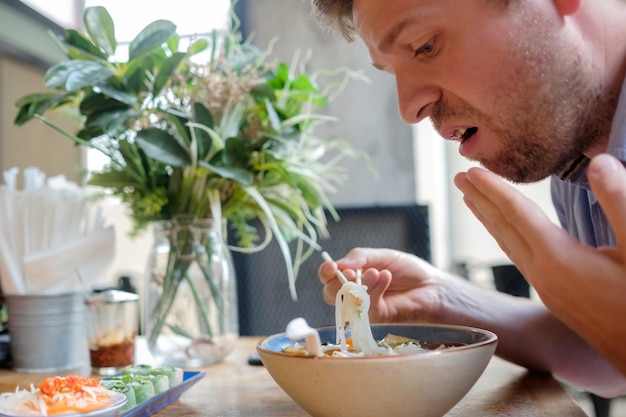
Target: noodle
352 305
351 317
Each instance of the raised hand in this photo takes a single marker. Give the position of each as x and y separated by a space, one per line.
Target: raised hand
583 286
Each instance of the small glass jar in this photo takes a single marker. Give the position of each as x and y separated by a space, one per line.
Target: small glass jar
112 318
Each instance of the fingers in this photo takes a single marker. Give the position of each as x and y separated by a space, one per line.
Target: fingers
519 226
380 283
494 204
357 258
370 260
607 177
327 273
330 291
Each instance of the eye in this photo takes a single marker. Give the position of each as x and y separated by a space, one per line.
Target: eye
426 49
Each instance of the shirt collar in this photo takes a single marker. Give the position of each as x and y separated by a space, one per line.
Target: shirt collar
574 169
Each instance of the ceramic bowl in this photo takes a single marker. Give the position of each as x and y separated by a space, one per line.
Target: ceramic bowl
427 384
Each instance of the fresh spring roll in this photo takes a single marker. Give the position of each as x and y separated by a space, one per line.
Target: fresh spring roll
137 370
129 392
118 385
117 380
174 374
144 389
161 382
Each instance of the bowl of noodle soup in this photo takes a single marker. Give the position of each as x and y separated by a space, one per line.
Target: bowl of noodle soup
417 369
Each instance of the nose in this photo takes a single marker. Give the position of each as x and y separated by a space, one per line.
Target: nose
416 97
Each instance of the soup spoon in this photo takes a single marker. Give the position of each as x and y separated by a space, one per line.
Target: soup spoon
298 328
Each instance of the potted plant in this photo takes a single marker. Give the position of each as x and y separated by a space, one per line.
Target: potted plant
214 130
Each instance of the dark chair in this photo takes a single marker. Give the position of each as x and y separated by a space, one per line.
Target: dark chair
508 279
601 405
265 304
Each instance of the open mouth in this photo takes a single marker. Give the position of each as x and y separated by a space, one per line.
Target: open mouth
464 134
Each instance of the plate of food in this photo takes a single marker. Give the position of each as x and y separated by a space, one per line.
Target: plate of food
137 391
63 397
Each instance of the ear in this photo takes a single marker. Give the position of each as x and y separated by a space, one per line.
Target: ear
567 7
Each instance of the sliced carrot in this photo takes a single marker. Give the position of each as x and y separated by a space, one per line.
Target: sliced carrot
349 343
70 383
71 394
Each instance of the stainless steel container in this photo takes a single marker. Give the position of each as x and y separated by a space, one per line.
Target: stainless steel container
47 332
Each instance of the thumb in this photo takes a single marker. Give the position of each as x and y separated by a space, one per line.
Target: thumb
607 177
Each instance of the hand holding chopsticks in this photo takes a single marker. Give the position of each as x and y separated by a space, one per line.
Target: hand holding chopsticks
340 274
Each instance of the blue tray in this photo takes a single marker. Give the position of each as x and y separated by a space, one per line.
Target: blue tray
162 400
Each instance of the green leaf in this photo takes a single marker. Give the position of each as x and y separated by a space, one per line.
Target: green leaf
119 95
160 145
88 133
263 91
100 28
113 120
136 73
173 43
151 37
308 190
179 121
202 116
280 239
114 179
167 69
272 115
133 162
80 47
235 152
304 83
236 174
76 74
197 46
38 104
23 115
98 103
35 99
281 76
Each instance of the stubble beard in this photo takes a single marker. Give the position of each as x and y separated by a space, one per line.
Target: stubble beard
551 109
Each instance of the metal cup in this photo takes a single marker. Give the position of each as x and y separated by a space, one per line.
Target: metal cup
112 325
47 332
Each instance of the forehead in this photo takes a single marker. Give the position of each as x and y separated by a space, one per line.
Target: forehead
378 22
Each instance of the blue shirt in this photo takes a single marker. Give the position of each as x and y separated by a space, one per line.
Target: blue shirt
576 206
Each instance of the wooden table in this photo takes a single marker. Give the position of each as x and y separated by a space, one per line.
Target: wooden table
233 388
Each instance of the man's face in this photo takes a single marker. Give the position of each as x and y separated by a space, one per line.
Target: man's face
506 82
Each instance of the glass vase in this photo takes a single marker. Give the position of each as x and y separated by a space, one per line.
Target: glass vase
190 304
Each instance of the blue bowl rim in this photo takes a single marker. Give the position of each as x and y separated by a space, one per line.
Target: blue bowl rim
490 338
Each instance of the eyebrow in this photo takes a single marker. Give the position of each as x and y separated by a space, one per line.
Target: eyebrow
388 40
